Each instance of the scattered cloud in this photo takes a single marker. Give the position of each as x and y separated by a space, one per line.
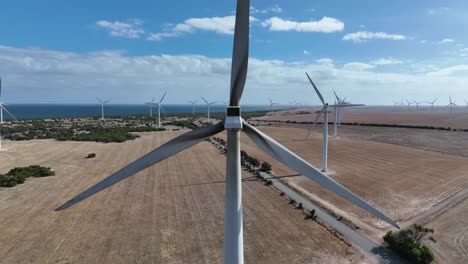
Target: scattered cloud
129 29
363 36
423 41
306 52
386 61
358 66
221 25
49 76
324 25
273 9
446 41
437 11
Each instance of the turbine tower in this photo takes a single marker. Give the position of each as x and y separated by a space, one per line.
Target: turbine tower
159 109
432 104
102 106
193 106
271 106
151 107
233 123
208 104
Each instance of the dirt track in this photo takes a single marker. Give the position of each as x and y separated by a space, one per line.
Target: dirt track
169 213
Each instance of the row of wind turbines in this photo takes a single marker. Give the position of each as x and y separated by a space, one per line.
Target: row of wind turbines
401 105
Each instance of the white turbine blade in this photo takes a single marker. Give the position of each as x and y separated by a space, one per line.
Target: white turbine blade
240 52
191 102
165 151
316 90
162 98
205 100
162 109
271 101
99 99
315 122
345 105
106 101
8 112
294 162
153 100
337 98
195 101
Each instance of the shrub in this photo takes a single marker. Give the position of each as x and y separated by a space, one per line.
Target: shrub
407 243
18 175
91 155
266 166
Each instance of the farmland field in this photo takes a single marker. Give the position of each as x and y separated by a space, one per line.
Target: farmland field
169 213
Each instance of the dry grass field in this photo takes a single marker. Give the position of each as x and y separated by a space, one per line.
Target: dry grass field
439 118
402 181
169 213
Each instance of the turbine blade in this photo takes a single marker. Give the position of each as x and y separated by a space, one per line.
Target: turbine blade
99 99
240 53
316 90
165 151
162 98
337 98
153 100
205 100
8 112
162 109
0 87
106 101
315 122
291 160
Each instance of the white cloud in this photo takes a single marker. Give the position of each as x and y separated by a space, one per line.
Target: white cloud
386 61
306 52
130 29
363 36
358 66
273 9
221 25
446 41
47 76
437 11
324 25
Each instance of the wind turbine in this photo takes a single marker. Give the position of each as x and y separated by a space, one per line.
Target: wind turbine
417 104
209 106
102 106
432 104
452 104
466 102
271 106
395 107
339 104
159 109
193 106
233 123
151 107
292 104
2 107
325 112
409 104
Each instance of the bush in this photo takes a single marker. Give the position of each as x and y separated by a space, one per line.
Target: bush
18 175
407 243
266 166
91 155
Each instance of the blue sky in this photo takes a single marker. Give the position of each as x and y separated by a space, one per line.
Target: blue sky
372 51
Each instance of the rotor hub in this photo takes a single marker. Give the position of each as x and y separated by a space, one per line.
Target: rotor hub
233 120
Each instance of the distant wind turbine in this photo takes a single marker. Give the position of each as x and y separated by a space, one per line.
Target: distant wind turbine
233 123
193 106
271 106
432 104
409 104
2 107
209 106
452 104
339 105
102 106
417 104
159 104
151 106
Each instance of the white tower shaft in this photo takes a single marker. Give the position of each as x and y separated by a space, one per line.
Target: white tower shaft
325 141
233 231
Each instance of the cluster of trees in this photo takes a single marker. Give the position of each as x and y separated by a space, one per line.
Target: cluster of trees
91 155
246 158
407 243
19 174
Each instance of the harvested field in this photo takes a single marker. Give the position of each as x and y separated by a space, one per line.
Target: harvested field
403 182
440 118
169 213
451 232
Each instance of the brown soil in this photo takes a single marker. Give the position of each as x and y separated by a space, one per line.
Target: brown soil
169 213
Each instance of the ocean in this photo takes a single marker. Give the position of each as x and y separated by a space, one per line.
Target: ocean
41 111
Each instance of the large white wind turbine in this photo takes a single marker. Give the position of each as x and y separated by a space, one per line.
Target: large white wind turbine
151 103
102 106
271 106
208 104
233 123
159 103
193 106
432 104
325 112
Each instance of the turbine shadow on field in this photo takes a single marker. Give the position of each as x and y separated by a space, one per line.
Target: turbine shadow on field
246 179
387 256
